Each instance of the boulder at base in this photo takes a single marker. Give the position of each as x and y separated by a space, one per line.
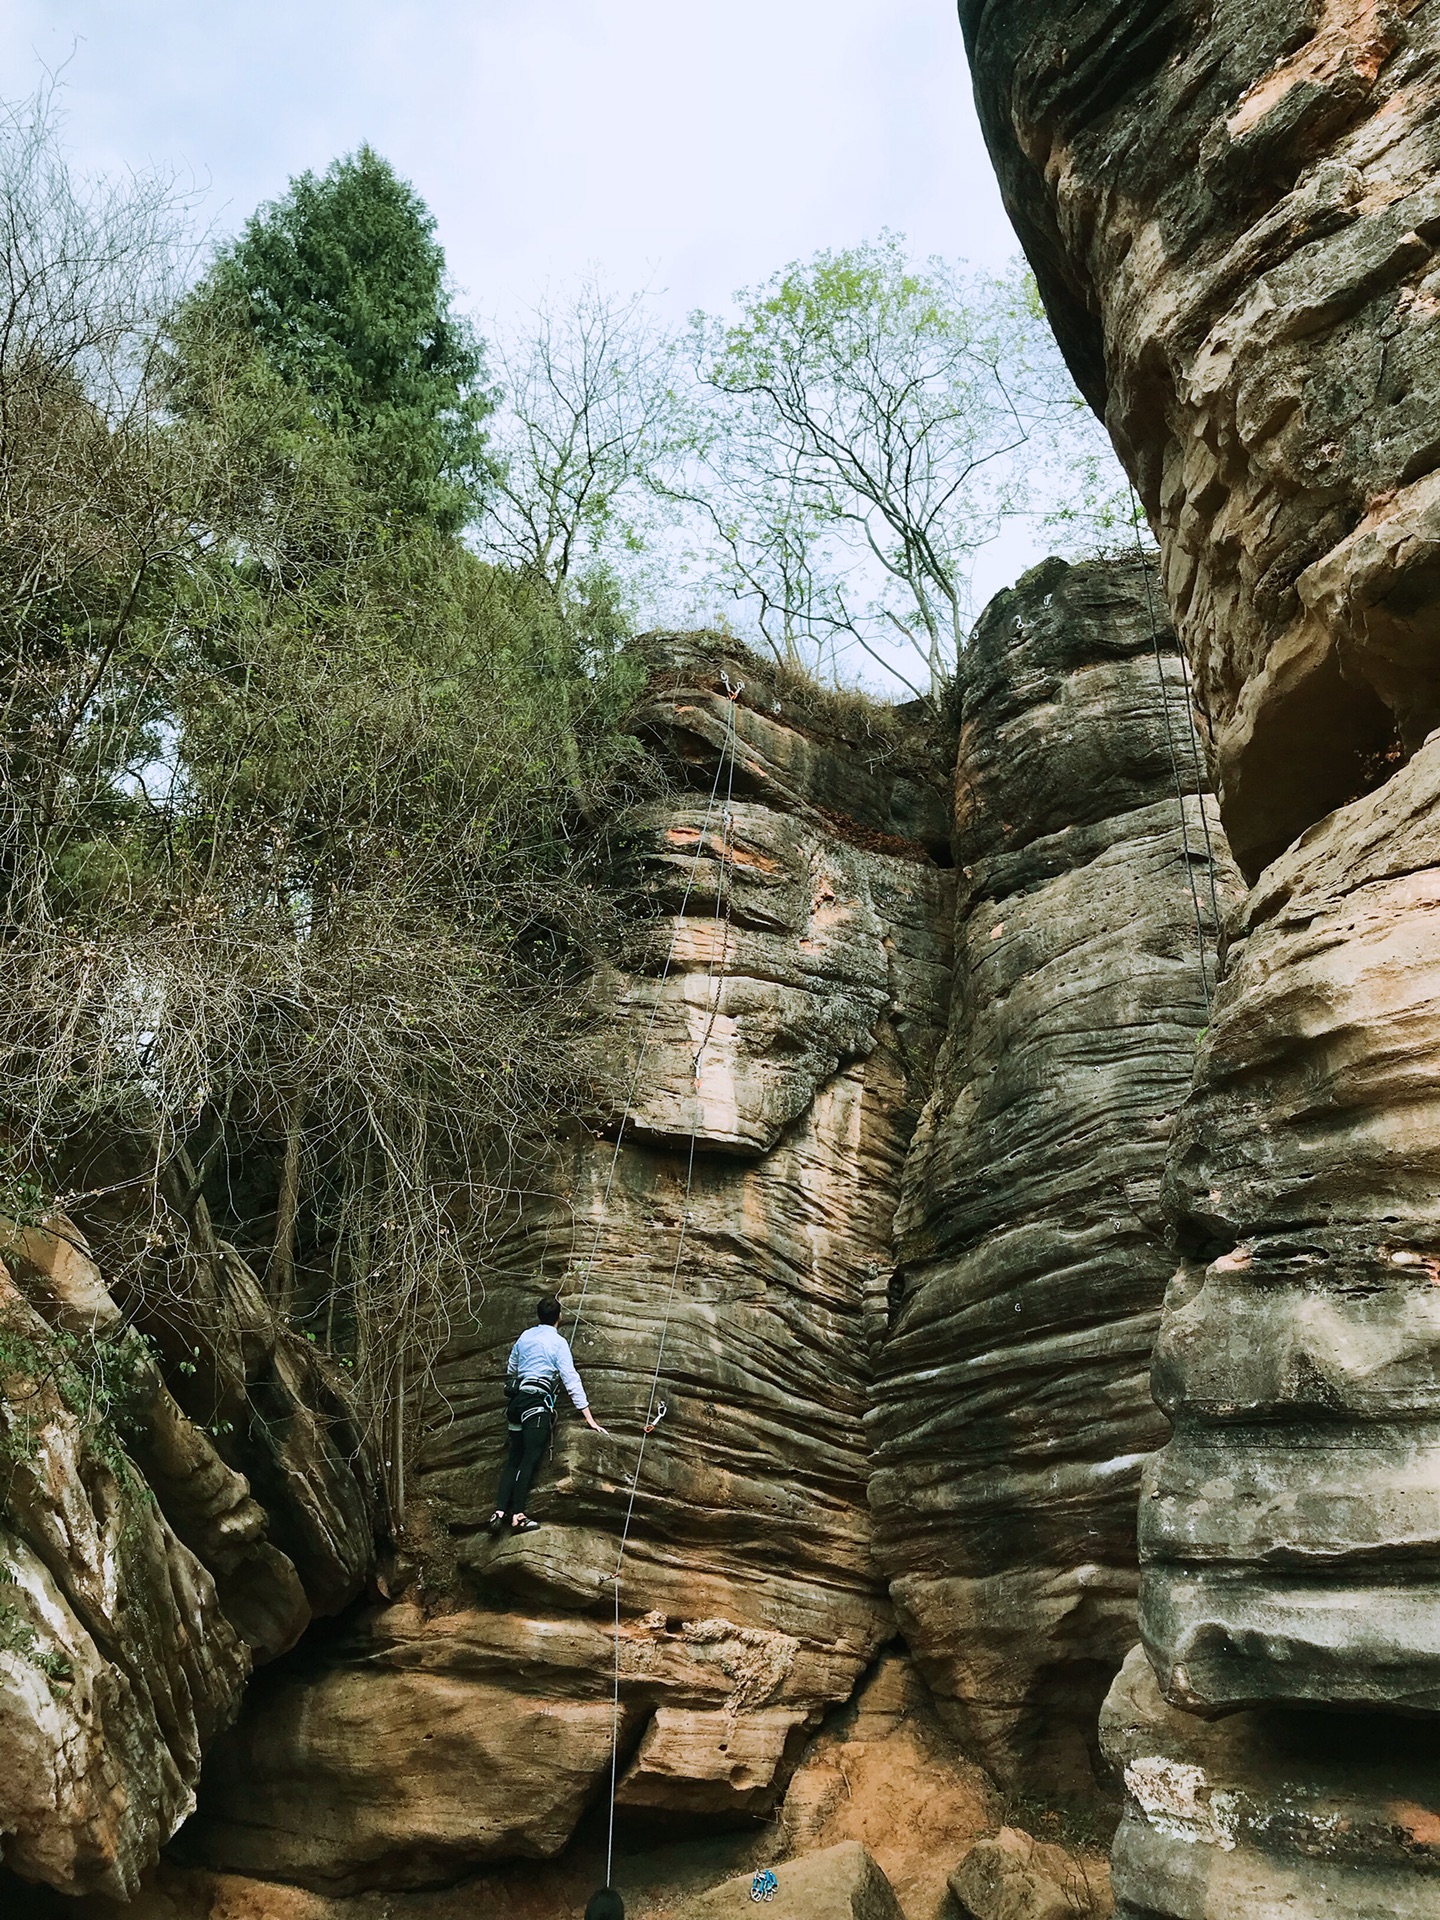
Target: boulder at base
1272 1814
1015 1877
840 1883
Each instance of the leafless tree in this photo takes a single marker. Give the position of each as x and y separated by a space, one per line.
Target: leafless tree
592 417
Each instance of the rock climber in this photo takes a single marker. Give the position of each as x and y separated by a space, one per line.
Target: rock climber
605 1905
539 1360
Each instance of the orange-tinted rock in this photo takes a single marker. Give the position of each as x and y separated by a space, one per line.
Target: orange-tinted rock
1234 215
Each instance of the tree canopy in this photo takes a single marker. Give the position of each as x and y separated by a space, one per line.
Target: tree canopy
294 785
341 286
869 419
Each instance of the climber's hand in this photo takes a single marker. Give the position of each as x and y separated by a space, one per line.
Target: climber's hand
588 1417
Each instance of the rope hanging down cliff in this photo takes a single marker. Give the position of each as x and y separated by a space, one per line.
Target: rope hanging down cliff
727 756
655 1408
1175 761
714 988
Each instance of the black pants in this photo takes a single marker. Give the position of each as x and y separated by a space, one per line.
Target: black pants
526 1447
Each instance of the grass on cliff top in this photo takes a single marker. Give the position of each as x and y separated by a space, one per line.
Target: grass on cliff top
884 734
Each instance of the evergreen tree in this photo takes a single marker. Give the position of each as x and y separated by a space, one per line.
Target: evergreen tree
341 286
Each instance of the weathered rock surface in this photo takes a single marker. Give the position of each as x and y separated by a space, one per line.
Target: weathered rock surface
1271 1814
279 1414
138 1579
117 1662
1016 1877
886 1772
839 1883
723 1233
1292 1526
1233 210
1012 1405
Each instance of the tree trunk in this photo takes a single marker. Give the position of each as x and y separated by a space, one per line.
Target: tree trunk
281 1271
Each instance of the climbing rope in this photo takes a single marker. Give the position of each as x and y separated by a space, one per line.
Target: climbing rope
727 756
1175 759
655 1408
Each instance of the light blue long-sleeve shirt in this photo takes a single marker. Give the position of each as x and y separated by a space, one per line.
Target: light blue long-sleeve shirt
540 1358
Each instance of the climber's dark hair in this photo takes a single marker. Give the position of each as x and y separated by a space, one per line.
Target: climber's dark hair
605 1905
548 1314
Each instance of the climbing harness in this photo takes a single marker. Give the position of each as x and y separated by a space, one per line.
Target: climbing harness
1175 761
764 1886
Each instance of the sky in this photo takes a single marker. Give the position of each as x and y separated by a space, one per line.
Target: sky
684 144
687 146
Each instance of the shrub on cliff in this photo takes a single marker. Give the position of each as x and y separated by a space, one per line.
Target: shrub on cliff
294 785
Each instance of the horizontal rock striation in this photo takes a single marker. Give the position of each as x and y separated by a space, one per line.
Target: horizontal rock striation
1012 1407
721 1239
1233 211
1292 1525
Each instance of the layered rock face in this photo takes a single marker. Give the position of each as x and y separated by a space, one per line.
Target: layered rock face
1013 1408
1292 1527
1233 211
1272 1813
138 1579
721 1241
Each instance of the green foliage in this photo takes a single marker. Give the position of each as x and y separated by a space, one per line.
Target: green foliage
18 1636
299 792
874 421
104 1381
340 286
24 1200
869 412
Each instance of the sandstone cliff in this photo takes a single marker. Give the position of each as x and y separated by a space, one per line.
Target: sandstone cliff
1012 1407
723 1233
1232 210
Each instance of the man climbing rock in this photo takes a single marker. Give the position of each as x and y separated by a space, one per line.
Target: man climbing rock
539 1361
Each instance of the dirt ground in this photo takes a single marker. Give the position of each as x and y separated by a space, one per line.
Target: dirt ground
882 1771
